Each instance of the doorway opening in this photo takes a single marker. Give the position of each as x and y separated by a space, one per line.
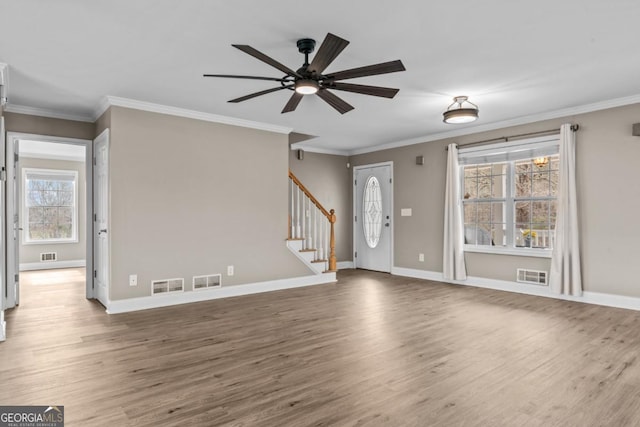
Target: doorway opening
48 209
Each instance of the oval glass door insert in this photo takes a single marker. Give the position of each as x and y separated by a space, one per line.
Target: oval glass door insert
372 211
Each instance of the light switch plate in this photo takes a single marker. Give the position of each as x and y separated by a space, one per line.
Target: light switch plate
405 212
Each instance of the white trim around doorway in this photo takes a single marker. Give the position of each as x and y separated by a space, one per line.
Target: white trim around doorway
88 144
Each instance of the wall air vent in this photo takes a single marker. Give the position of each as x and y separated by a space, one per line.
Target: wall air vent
167 286
532 277
207 282
48 256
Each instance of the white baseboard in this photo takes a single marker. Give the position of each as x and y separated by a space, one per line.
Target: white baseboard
48 265
598 298
344 265
165 300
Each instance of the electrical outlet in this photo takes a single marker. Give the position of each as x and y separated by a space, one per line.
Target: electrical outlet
133 280
421 257
229 270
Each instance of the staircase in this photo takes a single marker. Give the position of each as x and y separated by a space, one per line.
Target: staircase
311 229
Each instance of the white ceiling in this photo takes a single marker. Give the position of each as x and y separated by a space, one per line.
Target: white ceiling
514 59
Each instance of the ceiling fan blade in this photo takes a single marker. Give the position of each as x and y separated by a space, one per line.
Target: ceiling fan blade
232 76
266 59
329 50
384 92
293 102
262 92
369 70
336 102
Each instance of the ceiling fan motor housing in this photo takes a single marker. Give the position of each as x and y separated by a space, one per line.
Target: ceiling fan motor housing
306 46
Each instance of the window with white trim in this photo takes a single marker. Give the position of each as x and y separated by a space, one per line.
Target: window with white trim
509 195
50 205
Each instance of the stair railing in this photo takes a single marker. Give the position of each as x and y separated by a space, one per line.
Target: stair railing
310 222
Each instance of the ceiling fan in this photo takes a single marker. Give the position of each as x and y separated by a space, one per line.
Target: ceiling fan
309 79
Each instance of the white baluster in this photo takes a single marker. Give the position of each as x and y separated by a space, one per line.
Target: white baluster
304 221
326 243
315 232
309 228
298 234
292 194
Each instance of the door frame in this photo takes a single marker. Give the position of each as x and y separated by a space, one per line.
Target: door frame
12 210
355 212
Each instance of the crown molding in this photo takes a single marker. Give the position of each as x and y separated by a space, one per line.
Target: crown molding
190 114
571 111
318 150
42 112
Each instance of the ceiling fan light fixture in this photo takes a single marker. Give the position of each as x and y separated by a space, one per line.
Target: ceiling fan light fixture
307 86
458 113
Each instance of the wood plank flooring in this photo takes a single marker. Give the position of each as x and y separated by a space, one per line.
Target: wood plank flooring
371 350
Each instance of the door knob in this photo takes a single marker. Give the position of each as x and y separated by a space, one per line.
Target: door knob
104 230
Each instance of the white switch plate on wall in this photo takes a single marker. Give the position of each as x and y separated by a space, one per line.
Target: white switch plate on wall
405 212
230 270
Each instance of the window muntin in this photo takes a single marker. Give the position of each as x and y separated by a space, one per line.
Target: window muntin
372 210
50 205
510 204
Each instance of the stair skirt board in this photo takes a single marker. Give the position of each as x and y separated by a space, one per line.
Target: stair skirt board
165 300
306 256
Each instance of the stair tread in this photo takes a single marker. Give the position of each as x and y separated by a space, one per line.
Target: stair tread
320 260
308 250
295 238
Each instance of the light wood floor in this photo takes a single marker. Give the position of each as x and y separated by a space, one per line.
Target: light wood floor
371 350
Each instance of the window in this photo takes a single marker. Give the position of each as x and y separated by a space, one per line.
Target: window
509 196
50 205
372 209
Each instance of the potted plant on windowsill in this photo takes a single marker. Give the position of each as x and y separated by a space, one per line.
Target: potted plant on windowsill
527 235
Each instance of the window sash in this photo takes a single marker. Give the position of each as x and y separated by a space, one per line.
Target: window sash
56 203
509 154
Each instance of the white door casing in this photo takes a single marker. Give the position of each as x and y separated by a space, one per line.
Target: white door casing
373 221
12 289
101 218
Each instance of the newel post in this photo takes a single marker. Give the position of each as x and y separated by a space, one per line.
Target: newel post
332 242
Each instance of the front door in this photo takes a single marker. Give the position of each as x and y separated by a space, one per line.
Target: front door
372 226
101 218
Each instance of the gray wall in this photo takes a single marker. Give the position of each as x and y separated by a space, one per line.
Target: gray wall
24 123
30 253
608 197
190 197
325 176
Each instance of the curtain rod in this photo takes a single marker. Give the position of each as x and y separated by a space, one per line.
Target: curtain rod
519 136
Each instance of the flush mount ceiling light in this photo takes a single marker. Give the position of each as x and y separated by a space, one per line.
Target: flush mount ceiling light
307 86
458 113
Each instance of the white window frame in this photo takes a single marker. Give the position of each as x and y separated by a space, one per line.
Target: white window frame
25 209
509 153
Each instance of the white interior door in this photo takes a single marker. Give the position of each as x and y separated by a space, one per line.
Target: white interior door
12 278
373 222
101 218
3 243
